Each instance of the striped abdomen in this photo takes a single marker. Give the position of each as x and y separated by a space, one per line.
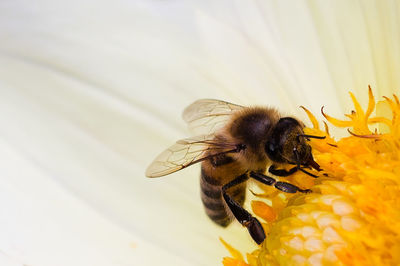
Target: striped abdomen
211 196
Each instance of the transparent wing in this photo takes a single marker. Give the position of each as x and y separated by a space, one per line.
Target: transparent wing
206 116
186 152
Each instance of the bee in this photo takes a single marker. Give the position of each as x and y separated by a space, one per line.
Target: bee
234 144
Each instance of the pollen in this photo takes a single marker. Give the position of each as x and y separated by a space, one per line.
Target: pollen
352 216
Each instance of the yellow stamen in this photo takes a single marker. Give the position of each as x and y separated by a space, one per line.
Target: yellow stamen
371 102
234 252
312 118
263 210
335 121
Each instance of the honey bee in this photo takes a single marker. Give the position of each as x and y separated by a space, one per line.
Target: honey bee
234 144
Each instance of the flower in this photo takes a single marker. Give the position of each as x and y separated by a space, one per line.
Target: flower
352 216
91 91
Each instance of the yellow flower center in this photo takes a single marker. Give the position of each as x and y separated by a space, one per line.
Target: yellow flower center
353 215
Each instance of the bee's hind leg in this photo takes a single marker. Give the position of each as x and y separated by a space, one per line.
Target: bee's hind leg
244 217
283 186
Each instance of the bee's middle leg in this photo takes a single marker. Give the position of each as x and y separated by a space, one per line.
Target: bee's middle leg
244 217
283 186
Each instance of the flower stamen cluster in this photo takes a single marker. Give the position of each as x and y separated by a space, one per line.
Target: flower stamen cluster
353 215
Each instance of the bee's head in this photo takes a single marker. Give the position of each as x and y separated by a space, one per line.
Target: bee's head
288 144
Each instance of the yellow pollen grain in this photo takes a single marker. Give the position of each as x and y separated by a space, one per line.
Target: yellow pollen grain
328 199
296 243
295 231
299 260
308 231
314 244
329 235
350 223
316 214
341 207
283 251
327 219
330 252
316 259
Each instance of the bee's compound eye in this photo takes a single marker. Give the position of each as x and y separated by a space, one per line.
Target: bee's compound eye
271 147
273 152
241 147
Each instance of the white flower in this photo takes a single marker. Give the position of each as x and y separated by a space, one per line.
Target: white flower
90 92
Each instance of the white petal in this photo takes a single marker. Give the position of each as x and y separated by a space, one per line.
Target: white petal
44 224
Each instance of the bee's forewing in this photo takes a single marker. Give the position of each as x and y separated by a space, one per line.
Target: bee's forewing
206 116
186 152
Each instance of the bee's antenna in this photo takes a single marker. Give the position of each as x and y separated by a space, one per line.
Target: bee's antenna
311 136
302 169
314 164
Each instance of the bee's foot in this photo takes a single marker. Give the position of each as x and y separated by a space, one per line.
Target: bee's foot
305 190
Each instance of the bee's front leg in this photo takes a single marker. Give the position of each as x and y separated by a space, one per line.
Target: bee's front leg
283 186
282 172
